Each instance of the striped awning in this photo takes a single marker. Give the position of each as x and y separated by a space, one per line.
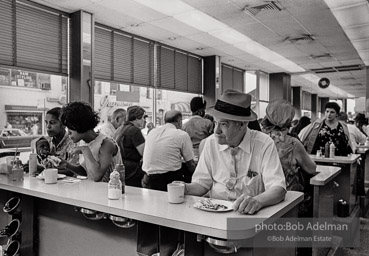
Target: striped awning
184 107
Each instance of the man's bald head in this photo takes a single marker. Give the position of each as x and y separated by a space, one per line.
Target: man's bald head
173 117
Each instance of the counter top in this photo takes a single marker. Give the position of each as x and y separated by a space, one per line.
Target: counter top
337 159
325 175
152 206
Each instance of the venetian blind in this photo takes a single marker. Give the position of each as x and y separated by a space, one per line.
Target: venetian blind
33 37
179 70
123 58
232 78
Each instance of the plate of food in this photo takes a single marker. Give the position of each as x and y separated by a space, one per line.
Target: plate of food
213 205
41 176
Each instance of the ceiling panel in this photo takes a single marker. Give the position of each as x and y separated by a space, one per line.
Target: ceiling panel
206 39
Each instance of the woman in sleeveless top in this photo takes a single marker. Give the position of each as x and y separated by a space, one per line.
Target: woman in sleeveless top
296 163
99 152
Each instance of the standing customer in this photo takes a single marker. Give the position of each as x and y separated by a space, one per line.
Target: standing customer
100 153
132 143
238 163
329 129
118 118
296 163
197 126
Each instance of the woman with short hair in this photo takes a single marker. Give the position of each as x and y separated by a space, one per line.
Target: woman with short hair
329 129
99 152
131 143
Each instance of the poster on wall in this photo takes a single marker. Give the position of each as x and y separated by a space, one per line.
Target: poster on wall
24 78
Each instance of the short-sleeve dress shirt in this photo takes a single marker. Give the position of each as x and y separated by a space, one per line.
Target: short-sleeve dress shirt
165 146
253 169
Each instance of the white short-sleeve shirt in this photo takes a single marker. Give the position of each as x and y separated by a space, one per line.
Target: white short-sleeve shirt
255 167
165 147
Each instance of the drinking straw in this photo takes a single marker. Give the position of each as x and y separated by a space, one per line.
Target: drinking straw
15 155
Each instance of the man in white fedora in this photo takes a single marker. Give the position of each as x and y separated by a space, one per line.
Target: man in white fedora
238 163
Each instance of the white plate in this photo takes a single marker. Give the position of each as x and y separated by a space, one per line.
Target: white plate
227 204
60 176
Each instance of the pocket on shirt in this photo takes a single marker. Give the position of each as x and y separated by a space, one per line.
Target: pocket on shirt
252 186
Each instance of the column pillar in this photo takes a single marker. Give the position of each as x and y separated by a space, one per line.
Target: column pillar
81 56
323 101
280 86
367 91
344 105
314 107
297 100
212 79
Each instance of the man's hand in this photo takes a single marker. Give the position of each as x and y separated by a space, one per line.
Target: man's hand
246 204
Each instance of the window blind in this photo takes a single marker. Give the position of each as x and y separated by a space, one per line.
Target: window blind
123 58
33 37
179 70
6 28
232 78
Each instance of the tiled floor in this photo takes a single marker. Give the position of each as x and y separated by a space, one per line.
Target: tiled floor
363 250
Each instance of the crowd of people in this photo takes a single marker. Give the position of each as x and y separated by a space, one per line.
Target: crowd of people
224 152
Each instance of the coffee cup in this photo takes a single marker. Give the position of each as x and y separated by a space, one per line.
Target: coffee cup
50 175
176 193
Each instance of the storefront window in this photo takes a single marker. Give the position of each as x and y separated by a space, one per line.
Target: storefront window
167 100
129 95
116 96
26 97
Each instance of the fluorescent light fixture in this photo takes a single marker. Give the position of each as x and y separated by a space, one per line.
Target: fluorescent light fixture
168 7
201 21
230 36
353 16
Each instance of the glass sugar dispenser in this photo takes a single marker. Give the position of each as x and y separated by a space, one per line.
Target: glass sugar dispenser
115 185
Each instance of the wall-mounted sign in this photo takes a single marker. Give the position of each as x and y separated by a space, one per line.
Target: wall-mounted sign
324 83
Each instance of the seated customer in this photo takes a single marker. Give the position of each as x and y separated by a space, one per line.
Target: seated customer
132 143
100 153
59 140
238 163
164 150
41 147
198 127
296 163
